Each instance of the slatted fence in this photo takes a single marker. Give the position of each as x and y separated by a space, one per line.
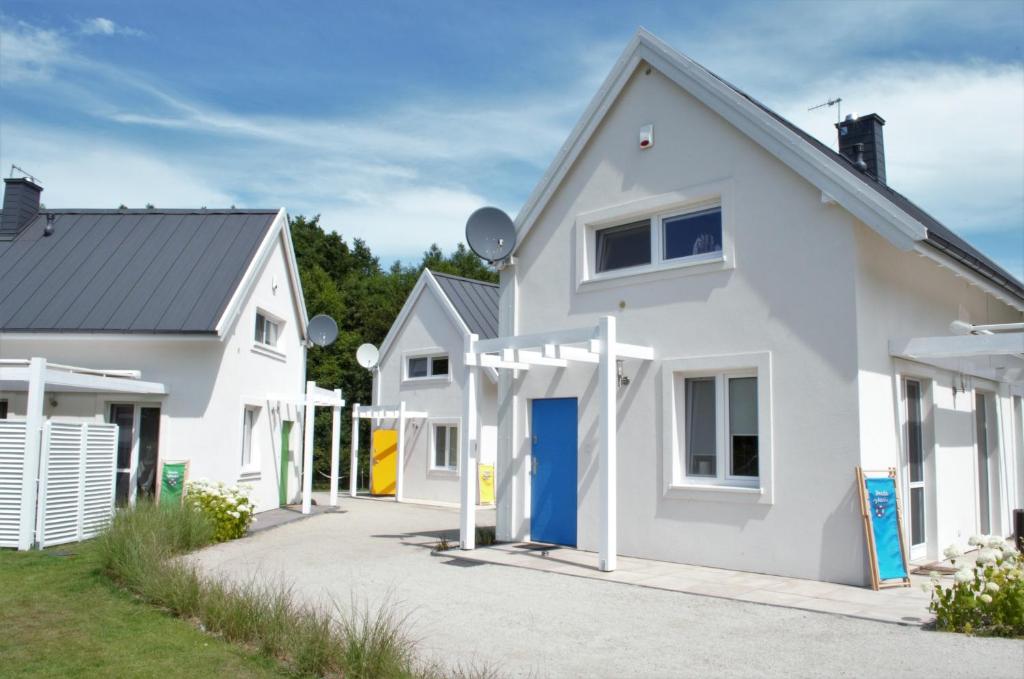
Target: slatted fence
12 469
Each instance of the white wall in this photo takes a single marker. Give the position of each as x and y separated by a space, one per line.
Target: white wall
428 326
900 295
209 382
791 293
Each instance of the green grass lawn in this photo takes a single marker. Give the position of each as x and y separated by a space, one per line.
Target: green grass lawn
61 618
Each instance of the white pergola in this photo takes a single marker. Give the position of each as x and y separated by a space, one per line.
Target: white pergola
994 352
36 375
558 349
376 414
316 397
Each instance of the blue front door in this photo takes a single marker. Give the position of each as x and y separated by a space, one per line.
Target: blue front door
553 489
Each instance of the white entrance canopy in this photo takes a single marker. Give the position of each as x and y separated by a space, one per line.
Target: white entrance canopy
316 396
378 413
34 376
558 348
994 352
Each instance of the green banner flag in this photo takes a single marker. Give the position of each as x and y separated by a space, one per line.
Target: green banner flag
172 482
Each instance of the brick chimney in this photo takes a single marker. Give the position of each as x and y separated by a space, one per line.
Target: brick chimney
861 139
21 205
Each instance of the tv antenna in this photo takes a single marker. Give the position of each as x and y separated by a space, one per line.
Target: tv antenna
837 102
27 175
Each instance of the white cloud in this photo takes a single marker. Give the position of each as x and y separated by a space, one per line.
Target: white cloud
29 53
103 26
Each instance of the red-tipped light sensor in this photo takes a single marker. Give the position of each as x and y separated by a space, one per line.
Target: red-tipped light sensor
647 136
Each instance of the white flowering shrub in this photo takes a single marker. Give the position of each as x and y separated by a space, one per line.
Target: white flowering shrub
228 507
987 594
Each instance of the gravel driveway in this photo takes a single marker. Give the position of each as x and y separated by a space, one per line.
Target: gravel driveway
529 623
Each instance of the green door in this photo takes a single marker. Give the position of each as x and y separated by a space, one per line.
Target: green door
286 435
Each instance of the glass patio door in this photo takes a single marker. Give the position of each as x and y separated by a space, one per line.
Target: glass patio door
138 454
916 512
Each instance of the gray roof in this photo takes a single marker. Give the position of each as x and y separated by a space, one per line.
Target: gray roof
127 271
475 301
939 236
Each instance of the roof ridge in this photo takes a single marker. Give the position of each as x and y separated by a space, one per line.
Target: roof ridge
462 278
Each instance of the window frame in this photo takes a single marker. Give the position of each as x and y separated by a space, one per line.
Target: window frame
253 465
658 209
450 422
431 354
724 486
258 346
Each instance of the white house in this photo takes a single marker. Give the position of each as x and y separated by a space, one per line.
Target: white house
711 319
184 327
421 354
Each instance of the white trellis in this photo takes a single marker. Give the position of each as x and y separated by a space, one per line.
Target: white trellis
559 349
376 414
316 397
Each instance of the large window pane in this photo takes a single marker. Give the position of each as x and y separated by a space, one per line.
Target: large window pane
915 449
698 233
439 365
124 417
624 246
700 426
743 426
248 424
917 516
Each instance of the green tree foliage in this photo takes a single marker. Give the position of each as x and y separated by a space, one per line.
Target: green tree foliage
346 281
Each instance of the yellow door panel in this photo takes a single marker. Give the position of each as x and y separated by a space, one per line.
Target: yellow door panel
383 460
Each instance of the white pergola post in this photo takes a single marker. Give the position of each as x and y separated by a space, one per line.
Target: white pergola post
467 454
307 450
400 456
607 386
353 459
335 447
33 443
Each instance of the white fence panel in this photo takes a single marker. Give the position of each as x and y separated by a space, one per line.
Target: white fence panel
12 470
99 478
76 490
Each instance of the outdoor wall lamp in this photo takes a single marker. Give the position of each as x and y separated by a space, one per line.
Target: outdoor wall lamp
622 379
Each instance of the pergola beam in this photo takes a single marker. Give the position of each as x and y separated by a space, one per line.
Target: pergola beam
532 341
958 346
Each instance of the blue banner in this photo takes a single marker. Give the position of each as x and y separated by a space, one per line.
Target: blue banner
882 505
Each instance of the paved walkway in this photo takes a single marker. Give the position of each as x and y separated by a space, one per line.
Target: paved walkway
527 623
903 605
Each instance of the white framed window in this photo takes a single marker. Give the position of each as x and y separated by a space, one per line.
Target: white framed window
250 456
432 364
686 231
444 446
718 441
268 329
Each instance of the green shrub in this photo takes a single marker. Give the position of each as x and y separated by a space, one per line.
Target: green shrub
485 535
228 507
987 594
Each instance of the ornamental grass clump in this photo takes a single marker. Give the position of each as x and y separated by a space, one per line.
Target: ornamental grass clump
228 507
987 594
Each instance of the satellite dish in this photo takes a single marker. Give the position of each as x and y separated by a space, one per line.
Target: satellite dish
491 234
367 355
322 330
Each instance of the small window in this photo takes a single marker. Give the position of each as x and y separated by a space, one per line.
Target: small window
267 330
620 247
694 234
3 409
420 367
446 447
721 449
248 429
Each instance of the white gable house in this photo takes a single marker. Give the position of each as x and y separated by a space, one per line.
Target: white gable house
183 327
711 319
421 364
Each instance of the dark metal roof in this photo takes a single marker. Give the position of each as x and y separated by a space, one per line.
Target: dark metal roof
127 271
475 301
939 236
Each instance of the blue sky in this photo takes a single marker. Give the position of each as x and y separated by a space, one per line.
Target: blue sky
396 120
